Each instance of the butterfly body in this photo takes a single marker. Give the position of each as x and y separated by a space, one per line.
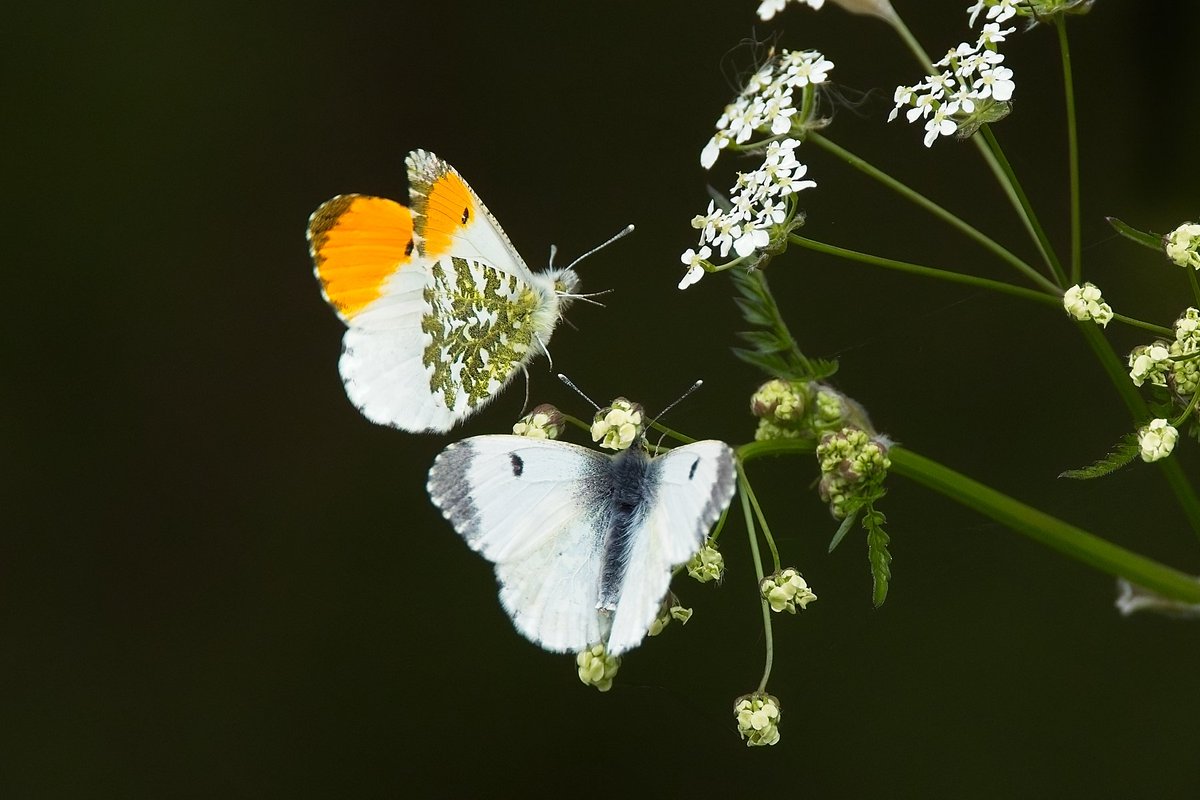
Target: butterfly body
441 311
583 543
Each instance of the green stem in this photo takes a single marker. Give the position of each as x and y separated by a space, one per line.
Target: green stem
930 272
762 522
758 570
1116 371
1146 326
1195 284
911 42
1072 149
933 208
1039 526
992 153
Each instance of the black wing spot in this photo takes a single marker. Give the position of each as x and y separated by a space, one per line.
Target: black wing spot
518 466
466 215
692 471
408 248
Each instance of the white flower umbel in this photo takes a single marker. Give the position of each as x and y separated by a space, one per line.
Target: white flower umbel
1183 245
596 667
997 10
1150 363
1185 354
785 590
1157 439
1086 303
758 717
619 425
544 422
972 88
707 564
769 8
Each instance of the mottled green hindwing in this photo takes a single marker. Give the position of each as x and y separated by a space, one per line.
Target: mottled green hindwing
481 324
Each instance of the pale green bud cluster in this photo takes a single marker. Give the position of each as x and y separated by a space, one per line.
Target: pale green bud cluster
544 422
1150 362
1185 372
853 467
1157 439
758 717
619 425
670 610
597 668
794 409
785 590
1182 245
707 564
1086 303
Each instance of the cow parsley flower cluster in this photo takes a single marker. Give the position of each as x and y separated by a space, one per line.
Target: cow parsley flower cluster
767 104
1086 303
973 88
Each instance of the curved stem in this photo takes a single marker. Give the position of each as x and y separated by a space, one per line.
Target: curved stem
933 208
992 153
1146 326
1195 284
930 272
1180 485
1039 526
1072 148
762 523
758 570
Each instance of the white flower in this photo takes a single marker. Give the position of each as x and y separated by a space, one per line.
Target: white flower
1086 303
1183 245
785 590
544 422
619 425
1150 363
992 34
996 83
940 125
707 564
769 8
1157 439
695 265
998 10
758 719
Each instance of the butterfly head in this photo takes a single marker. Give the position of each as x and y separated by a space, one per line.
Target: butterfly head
566 281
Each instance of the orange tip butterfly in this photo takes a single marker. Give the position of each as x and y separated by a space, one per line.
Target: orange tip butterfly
440 309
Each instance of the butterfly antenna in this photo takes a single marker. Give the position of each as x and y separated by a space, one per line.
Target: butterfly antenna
628 229
587 298
578 391
682 397
553 253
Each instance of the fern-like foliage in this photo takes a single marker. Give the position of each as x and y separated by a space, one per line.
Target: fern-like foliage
771 346
1122 453
877 553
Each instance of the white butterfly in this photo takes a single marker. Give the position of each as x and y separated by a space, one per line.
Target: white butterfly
440 308
583 543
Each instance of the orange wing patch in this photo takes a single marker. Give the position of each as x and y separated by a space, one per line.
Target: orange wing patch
357 242
449 207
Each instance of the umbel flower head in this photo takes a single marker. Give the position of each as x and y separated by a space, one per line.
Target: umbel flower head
1157 439
619 425
707 564
758 717
972 89
671 609
785 590
1086 303
793 409
1182 245
544 422
1185 364
596 667
853 468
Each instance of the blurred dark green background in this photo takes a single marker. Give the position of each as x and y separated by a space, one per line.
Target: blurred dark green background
219 580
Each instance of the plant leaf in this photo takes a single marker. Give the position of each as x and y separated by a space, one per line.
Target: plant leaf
843 529
877 553
1151 240
1121 454
772 348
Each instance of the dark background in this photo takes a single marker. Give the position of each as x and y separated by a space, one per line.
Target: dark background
220 580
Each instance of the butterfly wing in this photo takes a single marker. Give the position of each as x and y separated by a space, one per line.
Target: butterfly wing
532 507
687 490
441 310
450 217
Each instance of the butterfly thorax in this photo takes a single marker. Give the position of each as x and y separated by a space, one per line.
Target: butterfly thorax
631 495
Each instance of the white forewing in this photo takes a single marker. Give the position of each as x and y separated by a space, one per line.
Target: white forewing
691 486
522 504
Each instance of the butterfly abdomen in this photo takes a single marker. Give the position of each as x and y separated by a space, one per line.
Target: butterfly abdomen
632 493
